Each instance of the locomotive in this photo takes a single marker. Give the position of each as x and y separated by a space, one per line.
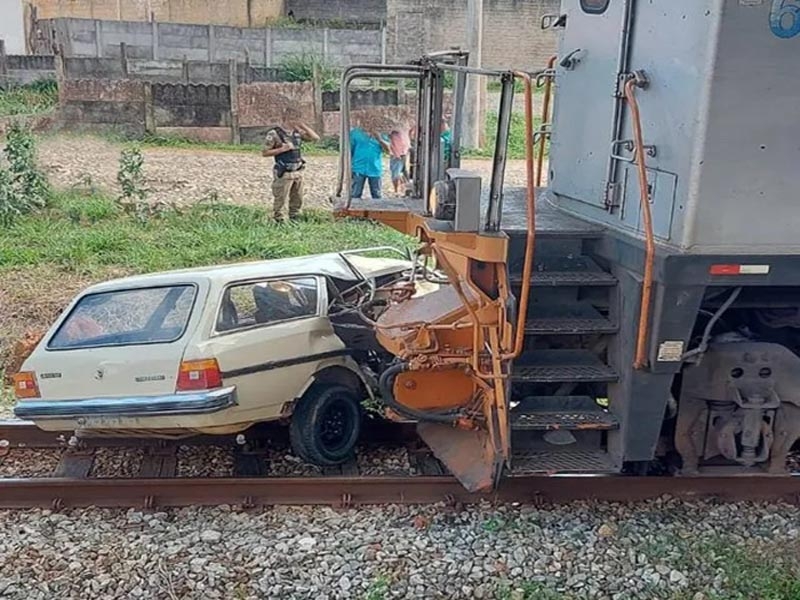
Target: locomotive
636 306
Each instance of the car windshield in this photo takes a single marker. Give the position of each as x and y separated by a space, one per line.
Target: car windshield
125 317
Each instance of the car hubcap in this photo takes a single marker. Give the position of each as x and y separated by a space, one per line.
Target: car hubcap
335 426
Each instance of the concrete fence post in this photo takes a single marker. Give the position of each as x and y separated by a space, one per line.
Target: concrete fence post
154 38
123 57
3 59
268 47
211 43
98 38
401 92
383 43
316 84
149 111
233 85
325 35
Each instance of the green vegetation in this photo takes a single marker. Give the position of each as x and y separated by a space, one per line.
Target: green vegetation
30 99
301 67
765 573
88 234
23 188
378 589
516 137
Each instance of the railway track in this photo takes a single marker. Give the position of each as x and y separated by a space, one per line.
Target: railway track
157 486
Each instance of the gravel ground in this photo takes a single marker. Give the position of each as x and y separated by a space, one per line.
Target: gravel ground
188 175
661 549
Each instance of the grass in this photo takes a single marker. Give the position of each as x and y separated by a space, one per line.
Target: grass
83 234
30 99
516 137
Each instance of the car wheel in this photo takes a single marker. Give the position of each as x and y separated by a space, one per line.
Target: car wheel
325 425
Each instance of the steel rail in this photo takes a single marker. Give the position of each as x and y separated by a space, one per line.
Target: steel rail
357 491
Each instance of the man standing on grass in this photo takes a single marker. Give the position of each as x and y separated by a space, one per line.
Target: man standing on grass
283 143
366 157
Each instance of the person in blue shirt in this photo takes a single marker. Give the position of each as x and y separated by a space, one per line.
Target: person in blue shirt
366 157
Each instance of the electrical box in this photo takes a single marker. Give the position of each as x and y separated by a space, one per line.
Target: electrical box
467 192
720 117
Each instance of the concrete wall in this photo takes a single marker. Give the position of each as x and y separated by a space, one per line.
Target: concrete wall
350 11
511 28
238 13
203 111
19 69
176 41
163 71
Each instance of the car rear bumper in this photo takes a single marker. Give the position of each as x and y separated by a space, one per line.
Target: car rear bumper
194 403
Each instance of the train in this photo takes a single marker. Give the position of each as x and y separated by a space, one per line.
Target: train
635 308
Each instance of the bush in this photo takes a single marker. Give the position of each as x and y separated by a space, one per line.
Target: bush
23 187
33 98
300 67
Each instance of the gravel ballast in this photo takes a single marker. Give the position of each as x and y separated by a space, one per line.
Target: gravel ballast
659 549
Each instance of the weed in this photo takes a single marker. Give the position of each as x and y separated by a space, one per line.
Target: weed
33 98
493 524
130 175
301 67
530 590
378 589
23 187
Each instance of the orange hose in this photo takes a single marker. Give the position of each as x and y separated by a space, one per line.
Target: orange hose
531 221
545 114
640 359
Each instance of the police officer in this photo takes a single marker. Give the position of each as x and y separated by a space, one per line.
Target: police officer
283 143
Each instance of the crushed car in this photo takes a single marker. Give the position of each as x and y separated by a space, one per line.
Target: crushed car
215 350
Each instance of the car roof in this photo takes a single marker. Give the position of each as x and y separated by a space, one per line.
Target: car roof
332 264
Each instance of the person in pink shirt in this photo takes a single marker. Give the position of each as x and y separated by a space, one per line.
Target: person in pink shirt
399 145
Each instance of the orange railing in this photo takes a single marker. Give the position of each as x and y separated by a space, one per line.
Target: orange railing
548 92
640 358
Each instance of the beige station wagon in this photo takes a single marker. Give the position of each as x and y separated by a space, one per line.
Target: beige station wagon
211 350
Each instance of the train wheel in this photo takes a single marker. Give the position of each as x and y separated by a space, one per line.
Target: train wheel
325 425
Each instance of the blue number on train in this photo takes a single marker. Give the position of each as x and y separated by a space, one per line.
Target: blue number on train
784 18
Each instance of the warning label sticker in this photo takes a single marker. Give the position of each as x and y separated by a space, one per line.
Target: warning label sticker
670 351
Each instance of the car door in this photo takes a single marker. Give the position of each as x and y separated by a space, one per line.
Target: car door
268 337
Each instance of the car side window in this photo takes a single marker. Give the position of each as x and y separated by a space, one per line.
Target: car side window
257 303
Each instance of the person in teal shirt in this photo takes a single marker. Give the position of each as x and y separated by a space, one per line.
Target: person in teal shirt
447 141
366 158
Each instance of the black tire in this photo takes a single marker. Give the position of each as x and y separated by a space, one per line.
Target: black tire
325 425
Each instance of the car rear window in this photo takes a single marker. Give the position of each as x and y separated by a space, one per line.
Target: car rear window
127 317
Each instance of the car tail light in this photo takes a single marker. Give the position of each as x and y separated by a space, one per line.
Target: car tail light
25 385
199 375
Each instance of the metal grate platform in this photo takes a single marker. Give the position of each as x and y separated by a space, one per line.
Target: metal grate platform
571 319
564 270
573 460
553 366
543 413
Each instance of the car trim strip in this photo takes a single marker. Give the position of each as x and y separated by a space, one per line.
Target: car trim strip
286 362
142 406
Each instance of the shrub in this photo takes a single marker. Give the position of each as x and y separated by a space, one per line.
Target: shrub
23 187
300 67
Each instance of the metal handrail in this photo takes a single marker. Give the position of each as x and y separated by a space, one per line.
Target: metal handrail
640 358
548 91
